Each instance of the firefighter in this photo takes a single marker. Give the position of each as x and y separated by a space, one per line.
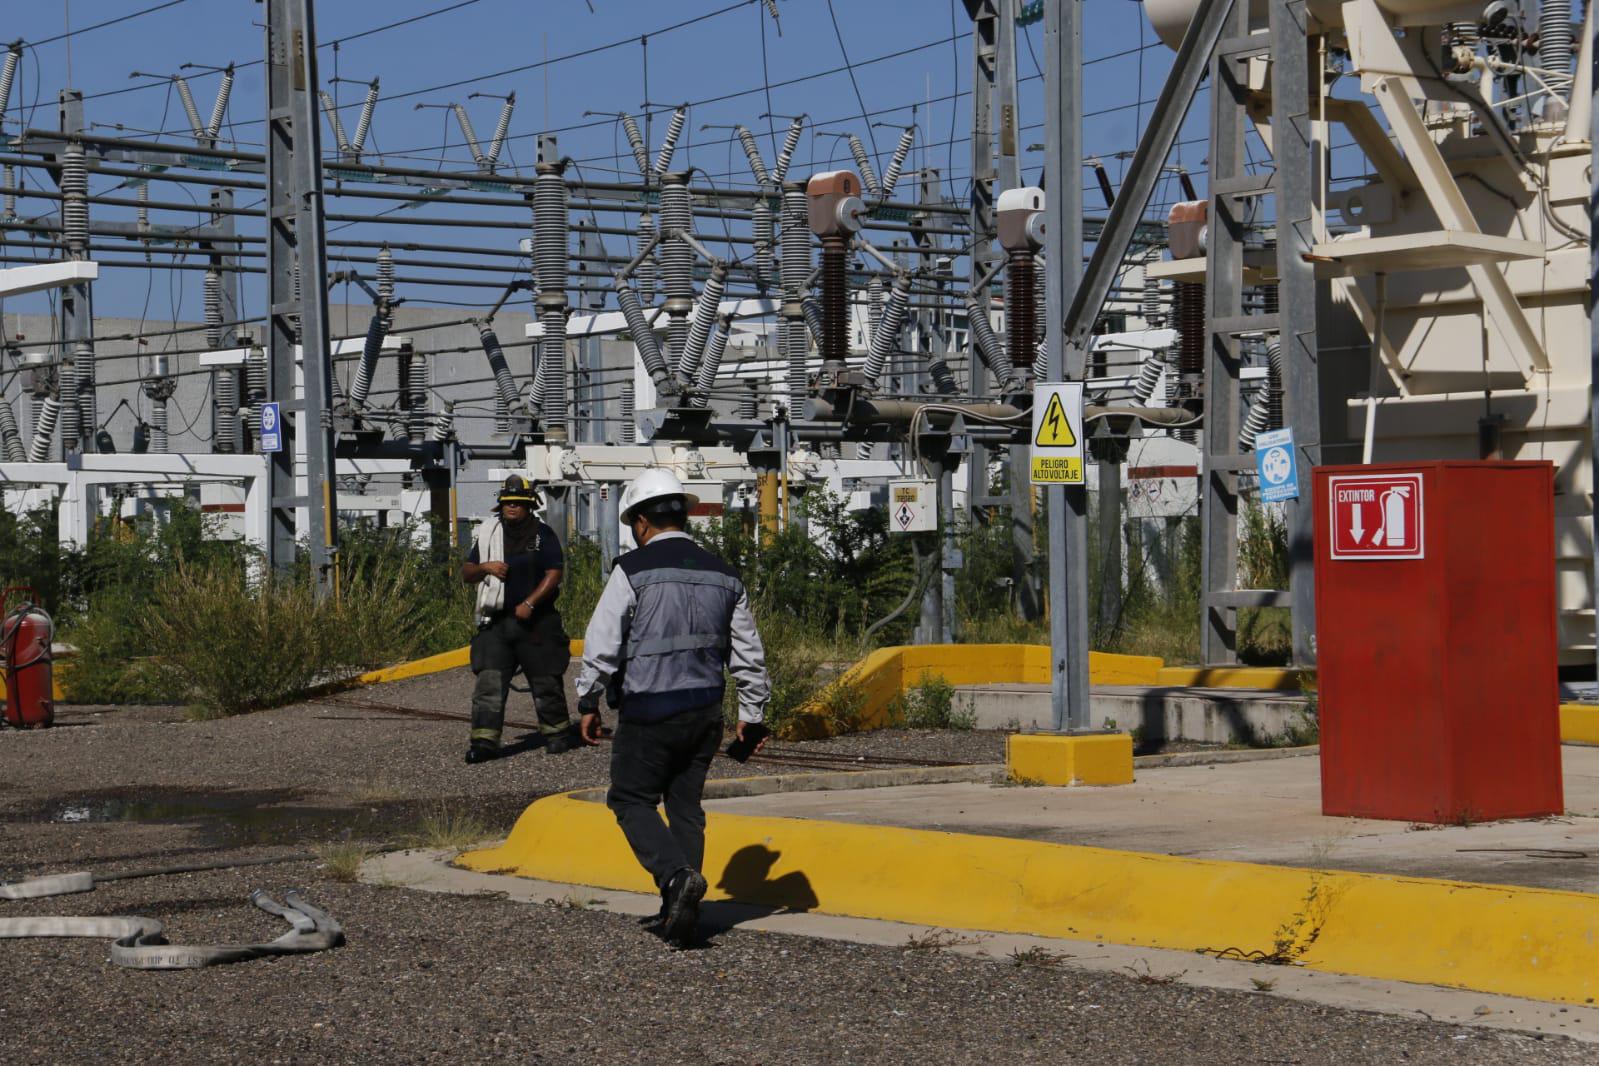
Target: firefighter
516 564
673 617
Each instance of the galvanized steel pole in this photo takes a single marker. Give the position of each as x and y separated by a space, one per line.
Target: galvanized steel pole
1067 505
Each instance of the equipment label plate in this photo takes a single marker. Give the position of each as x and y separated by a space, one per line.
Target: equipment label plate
271 428
1275 463
1057 439
1376 516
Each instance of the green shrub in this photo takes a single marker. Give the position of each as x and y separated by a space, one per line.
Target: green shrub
930 704
230 648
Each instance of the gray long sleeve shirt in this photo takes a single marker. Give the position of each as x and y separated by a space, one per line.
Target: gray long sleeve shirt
606 642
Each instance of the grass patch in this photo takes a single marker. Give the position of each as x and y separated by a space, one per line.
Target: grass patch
379 788
448 829
1037 957
342 862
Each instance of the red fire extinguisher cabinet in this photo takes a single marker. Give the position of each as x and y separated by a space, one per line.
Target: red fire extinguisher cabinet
1436 645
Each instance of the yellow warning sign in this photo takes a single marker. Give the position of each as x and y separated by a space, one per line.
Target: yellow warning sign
1055 429
1057 450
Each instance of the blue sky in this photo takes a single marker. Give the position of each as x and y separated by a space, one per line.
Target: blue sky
723 61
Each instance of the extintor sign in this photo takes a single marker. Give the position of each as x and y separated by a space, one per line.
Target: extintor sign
1376 516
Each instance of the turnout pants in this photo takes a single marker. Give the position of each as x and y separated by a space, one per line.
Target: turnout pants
667 759
541 650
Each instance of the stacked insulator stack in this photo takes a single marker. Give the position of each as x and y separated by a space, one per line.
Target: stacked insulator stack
989 347
749 405
796 265
885 339
705 380
674 130
159 441
835 304
790 142
9 209
10 435
629 422
414 378
75 201
211 296
1150 372
753 154
71 423
1153 305
551 236
1188 307
677 261
44 429
386 287
706 309
635 141
505 400
444 423
763 232
646 268
649 348
864 162
1266 410
1021 309
255 377
897 163
1555 38
88 411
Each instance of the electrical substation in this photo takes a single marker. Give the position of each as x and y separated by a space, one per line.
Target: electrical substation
1318 267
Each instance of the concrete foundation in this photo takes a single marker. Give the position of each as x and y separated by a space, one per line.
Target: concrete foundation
1155 713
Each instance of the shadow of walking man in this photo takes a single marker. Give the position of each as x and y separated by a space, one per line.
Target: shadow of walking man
755 893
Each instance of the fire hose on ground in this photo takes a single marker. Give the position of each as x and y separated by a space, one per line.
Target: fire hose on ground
139 944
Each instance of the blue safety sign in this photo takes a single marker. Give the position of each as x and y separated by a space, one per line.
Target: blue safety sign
1274 461
271 428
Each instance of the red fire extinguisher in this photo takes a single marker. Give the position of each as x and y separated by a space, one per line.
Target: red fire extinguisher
25 636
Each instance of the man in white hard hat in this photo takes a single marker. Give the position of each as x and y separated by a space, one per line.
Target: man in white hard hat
673 617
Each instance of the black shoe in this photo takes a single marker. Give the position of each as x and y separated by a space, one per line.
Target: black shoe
683 894
560 743
481 752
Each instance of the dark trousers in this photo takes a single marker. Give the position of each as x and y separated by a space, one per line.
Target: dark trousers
667 759
541 650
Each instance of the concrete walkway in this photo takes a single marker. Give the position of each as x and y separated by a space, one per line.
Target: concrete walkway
1267 811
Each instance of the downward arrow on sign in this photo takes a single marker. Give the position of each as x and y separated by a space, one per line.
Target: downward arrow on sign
1355 529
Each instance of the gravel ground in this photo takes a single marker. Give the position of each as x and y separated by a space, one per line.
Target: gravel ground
427 977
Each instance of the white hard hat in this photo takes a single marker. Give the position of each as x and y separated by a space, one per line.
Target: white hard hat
653 484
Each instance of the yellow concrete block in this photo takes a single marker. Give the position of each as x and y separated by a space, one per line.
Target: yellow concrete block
1054 759
1579 723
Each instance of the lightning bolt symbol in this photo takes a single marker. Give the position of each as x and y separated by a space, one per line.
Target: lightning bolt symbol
1054 421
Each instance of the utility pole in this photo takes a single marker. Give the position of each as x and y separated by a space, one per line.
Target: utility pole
1593 299
295 234
1063 239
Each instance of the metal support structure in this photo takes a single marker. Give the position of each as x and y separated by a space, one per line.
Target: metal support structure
1068 506
1296 178
1224 299
295 236
1593 320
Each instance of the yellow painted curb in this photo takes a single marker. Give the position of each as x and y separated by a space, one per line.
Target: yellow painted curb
1536 943
1046 759
1271 679
433 664
1579 723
